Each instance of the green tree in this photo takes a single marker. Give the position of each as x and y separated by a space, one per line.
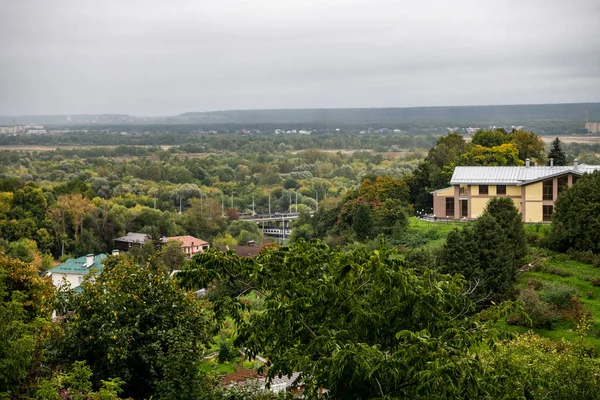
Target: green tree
491 137
359 322
530 146
490 253
557 154
576 218
503 155
25 306
133 322
172 255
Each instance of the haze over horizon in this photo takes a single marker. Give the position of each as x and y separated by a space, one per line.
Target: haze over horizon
155 58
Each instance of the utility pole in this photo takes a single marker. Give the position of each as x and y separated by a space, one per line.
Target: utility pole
252 203
179 205
296 202
290 193
269 203
317 197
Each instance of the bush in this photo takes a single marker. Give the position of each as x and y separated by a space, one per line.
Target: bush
541 313
557 294
534 284
586 257
225 352
577 314
590 294
596 282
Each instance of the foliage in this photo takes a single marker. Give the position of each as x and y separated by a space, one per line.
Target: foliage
25 300
77 385
504 155
557 154
359 323
540 314
225 240
490 253
172 255
133 322
576 218
558 294
490 137
533 367
529 145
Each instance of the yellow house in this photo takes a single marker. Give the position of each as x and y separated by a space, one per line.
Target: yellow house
533 189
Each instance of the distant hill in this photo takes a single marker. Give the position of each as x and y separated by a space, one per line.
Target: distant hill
509 114
539 116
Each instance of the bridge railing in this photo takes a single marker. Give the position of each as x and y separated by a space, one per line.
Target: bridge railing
272 216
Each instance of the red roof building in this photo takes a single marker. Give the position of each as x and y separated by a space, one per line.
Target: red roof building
190 244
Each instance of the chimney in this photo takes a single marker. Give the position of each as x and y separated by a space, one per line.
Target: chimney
575 164
115 252
89 260
552 162
527 163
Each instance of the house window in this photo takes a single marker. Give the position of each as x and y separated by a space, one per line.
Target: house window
548 188
463 190
449 206
547 213
563 183
501 189
483 189
464 209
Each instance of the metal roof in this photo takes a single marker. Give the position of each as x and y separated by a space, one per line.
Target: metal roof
134 237
513 175
78 265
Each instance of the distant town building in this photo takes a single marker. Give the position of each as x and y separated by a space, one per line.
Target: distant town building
592 127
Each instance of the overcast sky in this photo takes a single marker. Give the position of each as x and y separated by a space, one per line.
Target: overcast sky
156 57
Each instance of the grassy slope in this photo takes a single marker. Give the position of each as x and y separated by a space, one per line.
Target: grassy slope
582 275
580 279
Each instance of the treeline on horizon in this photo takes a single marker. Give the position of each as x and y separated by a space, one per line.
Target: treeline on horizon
543 118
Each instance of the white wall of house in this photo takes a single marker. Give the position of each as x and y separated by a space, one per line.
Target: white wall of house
74 279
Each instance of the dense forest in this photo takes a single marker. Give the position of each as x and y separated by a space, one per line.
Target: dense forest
363 301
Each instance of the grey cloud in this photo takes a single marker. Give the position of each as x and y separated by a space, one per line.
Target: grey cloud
156 57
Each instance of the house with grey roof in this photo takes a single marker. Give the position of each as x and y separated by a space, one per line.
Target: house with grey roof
132 239
533 189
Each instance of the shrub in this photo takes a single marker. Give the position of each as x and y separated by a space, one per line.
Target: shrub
578 314
541 313
534 284
586 257
596 282
557 294
225 352
590 294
